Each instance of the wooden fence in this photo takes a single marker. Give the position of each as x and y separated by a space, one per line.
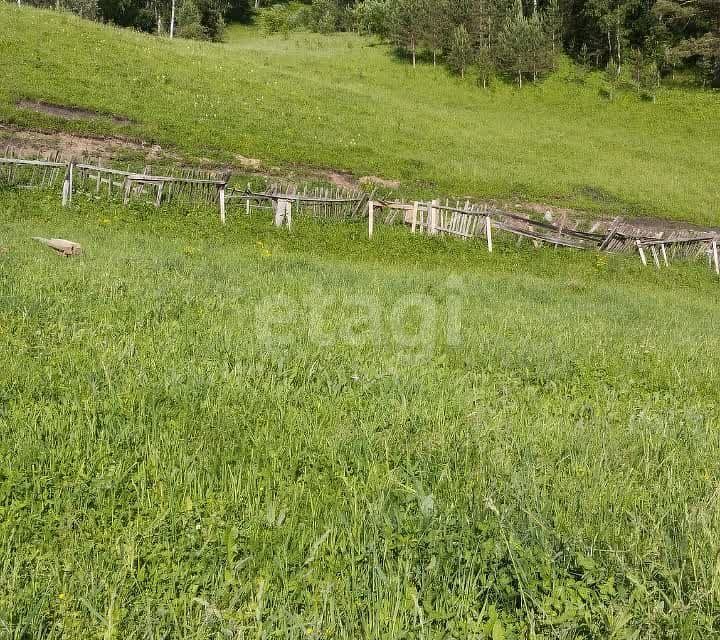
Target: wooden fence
478 221
689 248
464 220
322 203
41 173
73 177
193 186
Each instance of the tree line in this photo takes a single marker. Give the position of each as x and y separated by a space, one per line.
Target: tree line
490 36
642 39
645 40
199 19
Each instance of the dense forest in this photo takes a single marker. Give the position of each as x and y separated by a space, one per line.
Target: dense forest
644 40
201 19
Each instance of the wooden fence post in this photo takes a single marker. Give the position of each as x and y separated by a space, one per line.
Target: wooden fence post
68 184
715 257
488 232
656 259
641 252
432 216
288 214
414 215
126 190
158 196
280 212
664 254
71 168
66 187
221 196
371 218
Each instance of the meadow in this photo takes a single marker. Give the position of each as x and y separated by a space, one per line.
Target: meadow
343 102
242 432
245 432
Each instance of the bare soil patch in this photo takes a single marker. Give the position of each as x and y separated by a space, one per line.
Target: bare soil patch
376 181
69 113
248 163
29 143
339 178
660 224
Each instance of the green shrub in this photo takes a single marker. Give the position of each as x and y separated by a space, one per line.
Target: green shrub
282 18
189 22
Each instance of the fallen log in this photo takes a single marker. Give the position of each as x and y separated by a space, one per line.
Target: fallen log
65 248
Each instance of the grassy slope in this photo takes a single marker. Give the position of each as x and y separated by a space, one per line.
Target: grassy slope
343 102
164 471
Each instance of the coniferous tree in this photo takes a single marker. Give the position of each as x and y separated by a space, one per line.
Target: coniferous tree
408 21
694 26
644 73
497 12
84 8
553 24
474 15
514 46
189 21
373 17
436 27
460 55
539 45
324 15
612 18
485 65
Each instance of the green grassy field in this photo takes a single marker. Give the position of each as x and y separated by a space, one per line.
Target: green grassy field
343 102
238 432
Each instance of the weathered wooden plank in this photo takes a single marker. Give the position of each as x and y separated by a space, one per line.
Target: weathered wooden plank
32 163
61 246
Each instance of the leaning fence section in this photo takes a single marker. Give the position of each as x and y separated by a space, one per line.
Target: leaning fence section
463 221
663 251
470 220
467 220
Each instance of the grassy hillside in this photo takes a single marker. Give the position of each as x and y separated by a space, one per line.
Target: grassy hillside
237 432
342 101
